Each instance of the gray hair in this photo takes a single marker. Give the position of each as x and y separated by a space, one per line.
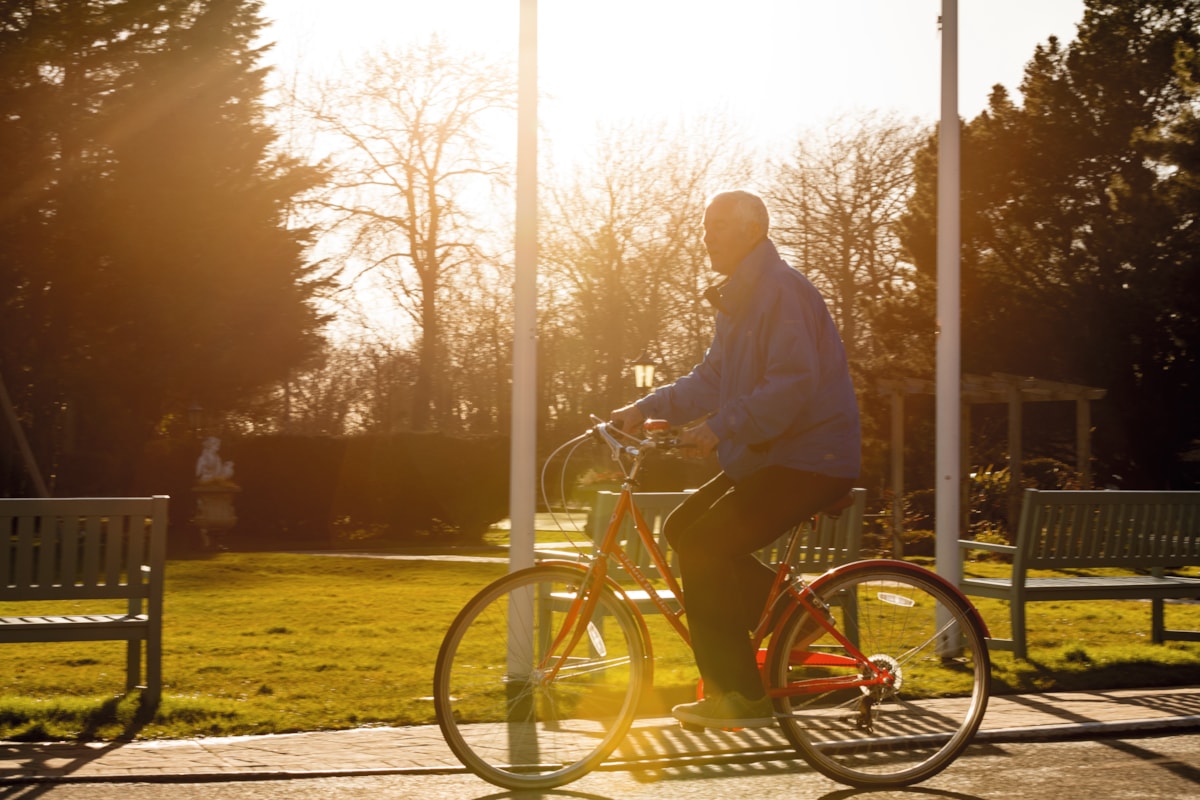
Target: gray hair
744 206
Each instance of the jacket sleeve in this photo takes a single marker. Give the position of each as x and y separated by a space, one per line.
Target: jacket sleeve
693 396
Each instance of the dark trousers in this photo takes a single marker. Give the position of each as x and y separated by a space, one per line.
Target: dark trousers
715 533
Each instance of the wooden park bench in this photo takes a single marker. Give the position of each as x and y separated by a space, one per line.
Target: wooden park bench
1145 535
94 566
835 540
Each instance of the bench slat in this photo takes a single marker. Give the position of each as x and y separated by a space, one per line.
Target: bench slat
69 554
1140 587
70 620
25 553
46 555
90 573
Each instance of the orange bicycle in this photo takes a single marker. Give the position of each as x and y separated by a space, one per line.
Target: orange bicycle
878 669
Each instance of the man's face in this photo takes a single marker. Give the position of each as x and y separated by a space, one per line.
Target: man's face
727 240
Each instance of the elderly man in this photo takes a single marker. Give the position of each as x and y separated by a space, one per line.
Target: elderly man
774 397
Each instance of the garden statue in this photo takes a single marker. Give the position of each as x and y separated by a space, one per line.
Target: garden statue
214 490
209 467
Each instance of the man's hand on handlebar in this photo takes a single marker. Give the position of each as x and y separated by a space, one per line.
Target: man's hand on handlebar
628 419
698 440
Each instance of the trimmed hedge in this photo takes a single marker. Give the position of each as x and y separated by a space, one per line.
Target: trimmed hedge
311 492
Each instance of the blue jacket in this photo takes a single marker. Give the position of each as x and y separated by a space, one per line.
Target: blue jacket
774 380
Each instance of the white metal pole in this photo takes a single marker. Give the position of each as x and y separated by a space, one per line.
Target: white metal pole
522 495
949 366
523 458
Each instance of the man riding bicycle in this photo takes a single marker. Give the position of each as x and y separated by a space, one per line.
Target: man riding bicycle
774 397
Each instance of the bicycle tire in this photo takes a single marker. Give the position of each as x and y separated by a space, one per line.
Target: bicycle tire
882 736
514 726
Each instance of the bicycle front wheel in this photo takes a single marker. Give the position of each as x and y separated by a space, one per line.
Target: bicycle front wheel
529 696
902 700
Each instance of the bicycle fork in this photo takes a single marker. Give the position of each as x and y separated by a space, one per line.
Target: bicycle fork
577 619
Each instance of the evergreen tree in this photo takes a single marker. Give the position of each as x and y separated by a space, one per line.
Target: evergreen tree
1070 261
149 265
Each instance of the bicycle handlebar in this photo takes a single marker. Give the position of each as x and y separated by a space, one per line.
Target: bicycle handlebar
660 437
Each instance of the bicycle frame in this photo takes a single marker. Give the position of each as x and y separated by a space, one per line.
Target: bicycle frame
799 593
610 546
596 574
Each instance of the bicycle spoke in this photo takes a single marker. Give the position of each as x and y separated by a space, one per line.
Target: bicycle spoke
572 699
913 711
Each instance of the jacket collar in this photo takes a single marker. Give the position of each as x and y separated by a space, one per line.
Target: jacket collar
732 295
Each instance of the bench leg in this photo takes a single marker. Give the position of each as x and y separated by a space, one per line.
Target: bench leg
153 671
133 664
151 649
850 618
1018 628
1156 621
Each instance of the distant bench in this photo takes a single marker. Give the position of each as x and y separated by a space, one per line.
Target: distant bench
68 550
1150 532
834 541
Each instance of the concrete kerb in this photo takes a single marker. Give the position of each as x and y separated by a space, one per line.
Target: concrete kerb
652 745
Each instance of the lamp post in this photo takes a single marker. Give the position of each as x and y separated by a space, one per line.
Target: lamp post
643 371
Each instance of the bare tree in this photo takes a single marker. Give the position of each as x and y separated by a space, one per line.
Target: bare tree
836 203
479 339
352 386
413 178
623 259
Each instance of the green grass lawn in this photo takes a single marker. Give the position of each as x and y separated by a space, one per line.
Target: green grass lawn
1095 644
274 643
259 643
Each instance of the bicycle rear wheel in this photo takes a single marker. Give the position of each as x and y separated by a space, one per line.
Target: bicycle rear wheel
923 636
517 704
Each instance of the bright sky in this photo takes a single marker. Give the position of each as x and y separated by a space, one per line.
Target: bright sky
778 66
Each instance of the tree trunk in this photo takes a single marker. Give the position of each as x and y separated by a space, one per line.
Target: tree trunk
423 389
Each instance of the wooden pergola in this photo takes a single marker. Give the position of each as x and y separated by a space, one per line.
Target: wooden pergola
1013 390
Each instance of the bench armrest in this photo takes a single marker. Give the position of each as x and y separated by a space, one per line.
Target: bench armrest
971 544
565 555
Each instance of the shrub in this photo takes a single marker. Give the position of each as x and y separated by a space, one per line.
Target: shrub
920 543
314 492
987 493
919 508
1048 473
877 537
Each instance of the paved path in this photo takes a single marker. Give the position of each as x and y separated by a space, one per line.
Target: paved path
421 749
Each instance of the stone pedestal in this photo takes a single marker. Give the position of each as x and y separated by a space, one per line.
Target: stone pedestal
215 513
